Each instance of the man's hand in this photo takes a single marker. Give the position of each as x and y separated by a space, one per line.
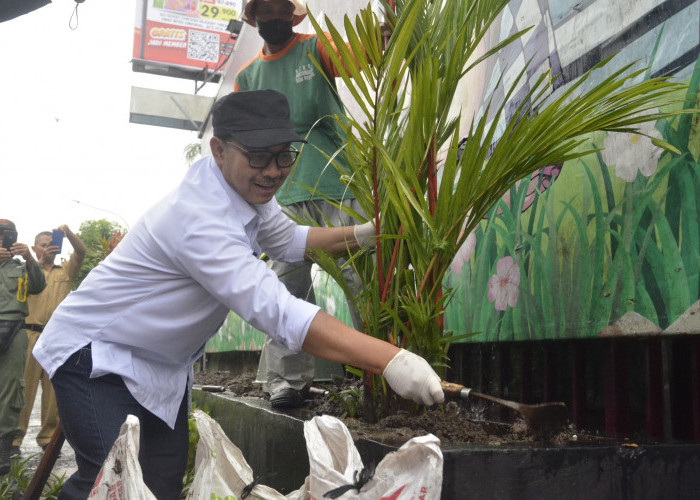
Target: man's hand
365 234
49 253
4 254
76 243
411 377
22 250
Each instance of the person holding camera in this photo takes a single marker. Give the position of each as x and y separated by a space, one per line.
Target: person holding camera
59 282
17 280
125 342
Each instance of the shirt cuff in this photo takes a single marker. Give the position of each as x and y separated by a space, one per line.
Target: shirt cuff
299 322
296 250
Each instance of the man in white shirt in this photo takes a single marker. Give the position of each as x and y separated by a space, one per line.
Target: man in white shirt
125 341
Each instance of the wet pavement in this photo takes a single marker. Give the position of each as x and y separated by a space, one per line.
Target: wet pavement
32 452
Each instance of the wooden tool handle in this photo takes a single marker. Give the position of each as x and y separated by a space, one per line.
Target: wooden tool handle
452 389
43 471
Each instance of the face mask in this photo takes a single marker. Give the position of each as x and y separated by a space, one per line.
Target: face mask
275 32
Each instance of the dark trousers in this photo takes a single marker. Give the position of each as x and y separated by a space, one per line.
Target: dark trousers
92 411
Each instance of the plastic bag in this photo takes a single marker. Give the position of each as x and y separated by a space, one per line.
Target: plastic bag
221 469
414 471
120 477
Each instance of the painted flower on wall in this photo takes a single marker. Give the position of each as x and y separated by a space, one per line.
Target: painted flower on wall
463 254
632 153
503 286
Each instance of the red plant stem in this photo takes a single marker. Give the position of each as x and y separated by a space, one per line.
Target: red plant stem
432 201
394 256
375 187
431 163
385 287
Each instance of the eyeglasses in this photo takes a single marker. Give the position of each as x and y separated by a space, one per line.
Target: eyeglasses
259 160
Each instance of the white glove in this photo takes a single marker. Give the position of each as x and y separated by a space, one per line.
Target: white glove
411 377
365 234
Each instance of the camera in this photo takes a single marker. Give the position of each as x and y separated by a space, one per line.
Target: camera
9 238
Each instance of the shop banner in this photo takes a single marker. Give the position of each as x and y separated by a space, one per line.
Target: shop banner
185 33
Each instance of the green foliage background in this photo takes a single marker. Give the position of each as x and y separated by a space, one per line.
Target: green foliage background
95 234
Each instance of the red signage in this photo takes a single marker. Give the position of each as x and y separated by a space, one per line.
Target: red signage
185 33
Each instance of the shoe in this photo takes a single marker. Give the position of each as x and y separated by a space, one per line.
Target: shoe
5 446
287 398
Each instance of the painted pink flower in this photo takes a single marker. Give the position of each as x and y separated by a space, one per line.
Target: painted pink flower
503 286
463 254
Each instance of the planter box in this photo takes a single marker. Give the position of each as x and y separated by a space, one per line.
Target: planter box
273 443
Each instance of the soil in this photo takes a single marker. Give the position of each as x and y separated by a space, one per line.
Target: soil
479 423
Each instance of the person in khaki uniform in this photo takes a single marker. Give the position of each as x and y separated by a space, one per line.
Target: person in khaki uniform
17 280
59 282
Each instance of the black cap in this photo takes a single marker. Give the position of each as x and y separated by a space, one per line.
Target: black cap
256 119
7 224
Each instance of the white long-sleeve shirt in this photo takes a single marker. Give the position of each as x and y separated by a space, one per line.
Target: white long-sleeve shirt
150 306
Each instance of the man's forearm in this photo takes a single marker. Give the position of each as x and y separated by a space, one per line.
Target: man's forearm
409 375
334 240
77 244
36 281
331 339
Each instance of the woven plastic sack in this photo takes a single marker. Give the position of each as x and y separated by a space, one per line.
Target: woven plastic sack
414 471
120 477
221 470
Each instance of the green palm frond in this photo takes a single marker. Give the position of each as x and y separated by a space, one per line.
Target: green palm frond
405 122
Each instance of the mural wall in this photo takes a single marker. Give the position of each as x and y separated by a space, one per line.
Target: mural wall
606 245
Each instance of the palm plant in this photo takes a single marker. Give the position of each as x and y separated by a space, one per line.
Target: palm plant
403 162
14 484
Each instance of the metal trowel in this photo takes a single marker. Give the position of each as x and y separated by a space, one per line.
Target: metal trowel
542 419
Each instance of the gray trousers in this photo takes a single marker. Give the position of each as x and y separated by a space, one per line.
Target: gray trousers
280 368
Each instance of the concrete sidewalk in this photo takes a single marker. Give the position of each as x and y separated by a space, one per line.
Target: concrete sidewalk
32 452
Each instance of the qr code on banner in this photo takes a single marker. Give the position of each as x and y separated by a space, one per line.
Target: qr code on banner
203 46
